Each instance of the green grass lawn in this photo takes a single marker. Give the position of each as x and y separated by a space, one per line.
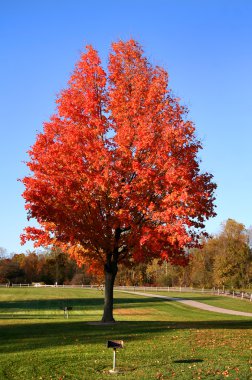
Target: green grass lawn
226 302
163 340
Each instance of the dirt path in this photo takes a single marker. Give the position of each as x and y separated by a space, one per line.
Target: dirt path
196 304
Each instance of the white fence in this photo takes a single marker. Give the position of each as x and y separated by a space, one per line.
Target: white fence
214 291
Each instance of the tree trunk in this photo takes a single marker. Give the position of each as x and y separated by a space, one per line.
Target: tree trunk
110 270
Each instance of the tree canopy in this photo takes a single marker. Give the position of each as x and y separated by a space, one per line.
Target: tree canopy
115 174
233 255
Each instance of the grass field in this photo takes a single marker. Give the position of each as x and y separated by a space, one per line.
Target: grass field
163 340
217 300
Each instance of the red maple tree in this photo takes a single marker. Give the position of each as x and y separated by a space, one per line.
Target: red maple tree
115 175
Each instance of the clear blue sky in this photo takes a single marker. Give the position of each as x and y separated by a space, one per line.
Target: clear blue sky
204 44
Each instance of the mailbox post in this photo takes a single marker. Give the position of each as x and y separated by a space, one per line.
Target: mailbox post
66 309
114 344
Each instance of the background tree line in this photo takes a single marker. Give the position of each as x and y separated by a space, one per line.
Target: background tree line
50 266
223 260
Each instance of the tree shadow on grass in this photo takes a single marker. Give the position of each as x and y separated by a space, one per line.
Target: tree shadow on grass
76 303
33 336
188 361
50 304
82 303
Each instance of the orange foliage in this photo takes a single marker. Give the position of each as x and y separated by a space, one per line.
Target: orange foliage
115 170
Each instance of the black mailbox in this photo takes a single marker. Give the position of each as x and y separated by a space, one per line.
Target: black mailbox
115 344
67 308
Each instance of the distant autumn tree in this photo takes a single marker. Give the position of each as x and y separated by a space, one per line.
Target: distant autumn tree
115 174
232 256
202 262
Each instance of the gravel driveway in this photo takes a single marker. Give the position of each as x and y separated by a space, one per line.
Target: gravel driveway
198 305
